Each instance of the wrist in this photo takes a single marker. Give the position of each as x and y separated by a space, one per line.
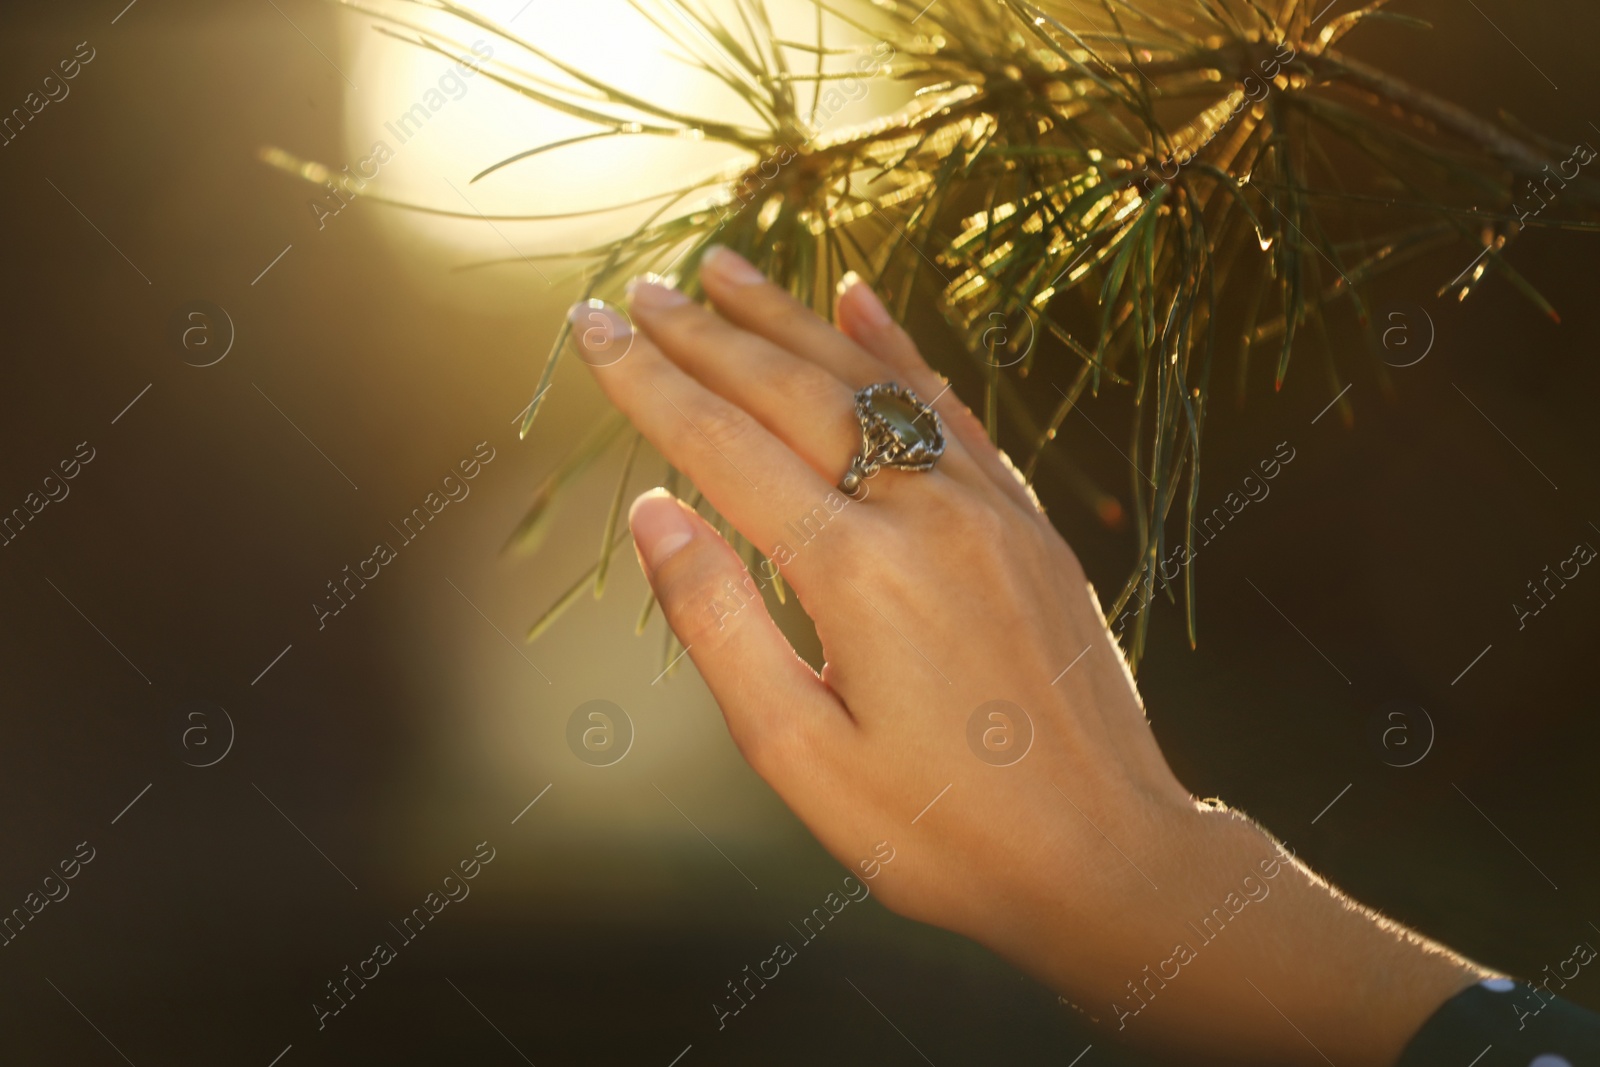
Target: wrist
1243 954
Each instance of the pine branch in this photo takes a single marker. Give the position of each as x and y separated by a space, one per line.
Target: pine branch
1147 186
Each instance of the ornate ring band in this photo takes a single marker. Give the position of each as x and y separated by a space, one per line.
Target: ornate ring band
898 431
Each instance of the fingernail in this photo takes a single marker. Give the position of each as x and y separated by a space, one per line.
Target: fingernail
729 265
867 305
600 331
660 527
652 293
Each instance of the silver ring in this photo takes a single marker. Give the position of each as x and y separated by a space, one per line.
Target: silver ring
898 431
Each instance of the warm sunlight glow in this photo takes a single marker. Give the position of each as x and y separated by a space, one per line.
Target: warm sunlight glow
467 122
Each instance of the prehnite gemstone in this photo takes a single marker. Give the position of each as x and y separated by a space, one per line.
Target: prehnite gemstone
901 414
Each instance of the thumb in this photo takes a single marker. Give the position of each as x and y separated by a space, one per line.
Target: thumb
776 707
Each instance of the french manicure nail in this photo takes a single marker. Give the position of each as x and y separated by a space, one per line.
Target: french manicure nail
730 265
660 527
652 293
602 333
868 306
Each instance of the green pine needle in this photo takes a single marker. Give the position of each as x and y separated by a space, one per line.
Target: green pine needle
1147 184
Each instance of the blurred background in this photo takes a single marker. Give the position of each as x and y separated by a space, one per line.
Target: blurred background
264 793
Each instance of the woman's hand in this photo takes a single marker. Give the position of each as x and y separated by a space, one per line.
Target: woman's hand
974 712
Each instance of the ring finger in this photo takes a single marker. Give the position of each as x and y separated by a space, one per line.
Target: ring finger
803 401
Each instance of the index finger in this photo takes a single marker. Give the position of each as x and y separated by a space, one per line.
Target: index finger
755 480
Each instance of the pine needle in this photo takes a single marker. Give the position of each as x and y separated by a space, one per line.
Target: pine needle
1146 182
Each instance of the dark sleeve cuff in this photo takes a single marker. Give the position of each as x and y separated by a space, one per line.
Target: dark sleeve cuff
1504 1023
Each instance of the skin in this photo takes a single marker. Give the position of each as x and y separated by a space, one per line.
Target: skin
1084 862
